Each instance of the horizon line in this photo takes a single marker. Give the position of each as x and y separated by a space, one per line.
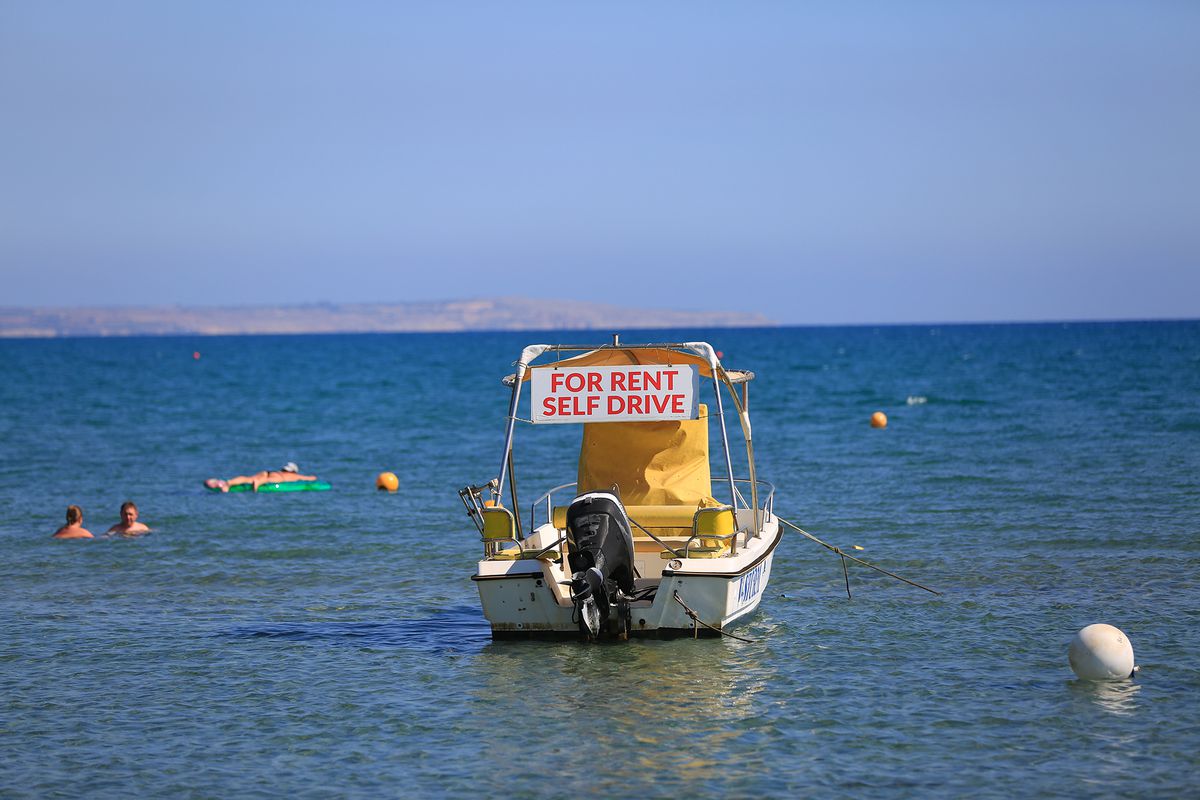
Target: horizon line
623 329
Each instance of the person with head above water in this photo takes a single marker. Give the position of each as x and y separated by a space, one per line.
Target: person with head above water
285 474
129 526
74 528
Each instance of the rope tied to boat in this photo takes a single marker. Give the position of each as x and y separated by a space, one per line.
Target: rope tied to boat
839 552
698 621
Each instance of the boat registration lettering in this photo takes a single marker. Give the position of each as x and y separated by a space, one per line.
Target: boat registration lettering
633 393
750 584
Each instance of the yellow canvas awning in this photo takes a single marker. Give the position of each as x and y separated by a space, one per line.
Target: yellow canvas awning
651 463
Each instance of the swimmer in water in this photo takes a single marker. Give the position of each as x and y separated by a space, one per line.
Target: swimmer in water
129 526
74 528
287 473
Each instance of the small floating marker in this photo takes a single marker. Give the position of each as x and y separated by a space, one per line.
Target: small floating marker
858 547
196 355
720 354
1101 653
879 420
387 482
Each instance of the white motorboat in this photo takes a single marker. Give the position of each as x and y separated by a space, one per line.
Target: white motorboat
645 542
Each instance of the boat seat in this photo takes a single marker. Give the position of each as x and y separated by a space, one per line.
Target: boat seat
517 554
499 524
696 552
674 525
662 520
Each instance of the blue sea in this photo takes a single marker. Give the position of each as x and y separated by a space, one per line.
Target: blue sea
1041 477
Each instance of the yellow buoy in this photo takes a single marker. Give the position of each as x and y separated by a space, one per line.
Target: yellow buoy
387 481
879 420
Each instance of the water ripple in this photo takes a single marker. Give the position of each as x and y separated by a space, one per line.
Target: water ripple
458 630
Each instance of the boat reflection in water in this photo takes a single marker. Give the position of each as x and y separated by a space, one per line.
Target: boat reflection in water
675 708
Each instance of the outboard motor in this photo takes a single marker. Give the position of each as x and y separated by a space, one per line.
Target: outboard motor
601 561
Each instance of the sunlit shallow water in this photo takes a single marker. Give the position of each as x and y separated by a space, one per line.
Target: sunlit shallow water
330 644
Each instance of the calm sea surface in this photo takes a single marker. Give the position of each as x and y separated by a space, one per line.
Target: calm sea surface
1043 477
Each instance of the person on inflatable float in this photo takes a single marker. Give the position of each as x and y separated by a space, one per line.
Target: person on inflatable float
285 474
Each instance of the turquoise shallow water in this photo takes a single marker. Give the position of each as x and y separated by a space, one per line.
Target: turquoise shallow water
329 644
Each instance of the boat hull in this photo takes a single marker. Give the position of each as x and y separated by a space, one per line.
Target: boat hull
524 599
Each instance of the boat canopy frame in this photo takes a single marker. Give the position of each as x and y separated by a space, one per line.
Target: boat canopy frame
691 350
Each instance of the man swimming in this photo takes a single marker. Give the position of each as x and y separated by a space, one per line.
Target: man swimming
74 528
285 474
129 526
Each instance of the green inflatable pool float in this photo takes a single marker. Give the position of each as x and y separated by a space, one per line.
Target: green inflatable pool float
287 486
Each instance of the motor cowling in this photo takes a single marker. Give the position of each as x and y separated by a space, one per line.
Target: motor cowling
600 556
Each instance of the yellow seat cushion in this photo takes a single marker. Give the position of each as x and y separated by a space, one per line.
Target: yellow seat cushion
674 524
657 517
516 554
696 552
671 518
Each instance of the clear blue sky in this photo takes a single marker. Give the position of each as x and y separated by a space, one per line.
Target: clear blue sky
817 162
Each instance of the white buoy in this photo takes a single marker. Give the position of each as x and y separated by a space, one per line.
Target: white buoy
1101 653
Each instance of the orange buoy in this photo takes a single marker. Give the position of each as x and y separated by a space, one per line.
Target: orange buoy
879 420
196 355
387 482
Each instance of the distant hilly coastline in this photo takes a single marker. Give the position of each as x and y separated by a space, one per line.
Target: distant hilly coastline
507 313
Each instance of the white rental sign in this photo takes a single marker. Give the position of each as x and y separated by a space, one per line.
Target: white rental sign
633 393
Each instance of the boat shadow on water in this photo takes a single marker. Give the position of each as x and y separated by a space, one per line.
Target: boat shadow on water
452 630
